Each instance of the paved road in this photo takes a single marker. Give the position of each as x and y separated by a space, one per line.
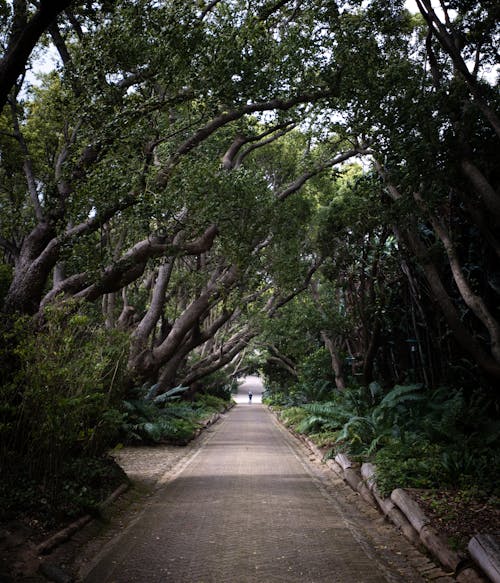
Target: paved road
251 507
253 384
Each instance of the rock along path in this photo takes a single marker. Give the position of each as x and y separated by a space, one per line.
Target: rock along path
250 506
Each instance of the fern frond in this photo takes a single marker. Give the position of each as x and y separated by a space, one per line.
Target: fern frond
169 395
402 393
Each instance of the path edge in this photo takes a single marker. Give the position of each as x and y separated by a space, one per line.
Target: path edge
56 574
399 508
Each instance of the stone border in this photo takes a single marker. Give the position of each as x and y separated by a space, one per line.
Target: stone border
402 510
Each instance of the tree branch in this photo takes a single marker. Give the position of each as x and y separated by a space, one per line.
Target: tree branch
274 307
27 166
231 160
301 180
225 118
22 42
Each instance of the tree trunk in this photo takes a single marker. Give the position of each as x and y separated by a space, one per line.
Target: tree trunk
464 338
335 360
32 271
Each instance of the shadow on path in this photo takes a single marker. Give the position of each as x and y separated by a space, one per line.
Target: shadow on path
249 507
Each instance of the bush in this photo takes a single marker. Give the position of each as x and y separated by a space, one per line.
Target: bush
58 401
417 438
219 384
165 418
81 486
413 463
147 422
293 416
210 403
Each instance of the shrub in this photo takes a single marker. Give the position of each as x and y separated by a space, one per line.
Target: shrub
410 463
81 486
210 403
58 401
293 416
417 438
146 421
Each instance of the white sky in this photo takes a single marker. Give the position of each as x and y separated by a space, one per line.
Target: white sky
411 5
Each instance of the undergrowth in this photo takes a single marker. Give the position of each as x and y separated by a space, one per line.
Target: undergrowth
166 418
418 438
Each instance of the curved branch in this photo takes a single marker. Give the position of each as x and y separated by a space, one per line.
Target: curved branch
273 307
224 356
242 155
127 269
301 180
225 118
22 43
232 158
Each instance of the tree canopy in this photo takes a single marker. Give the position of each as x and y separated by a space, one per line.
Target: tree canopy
315 180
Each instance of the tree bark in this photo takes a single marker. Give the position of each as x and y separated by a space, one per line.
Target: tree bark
460 332
23 41
463 336
336 361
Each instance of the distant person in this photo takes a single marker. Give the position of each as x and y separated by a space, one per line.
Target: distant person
250 395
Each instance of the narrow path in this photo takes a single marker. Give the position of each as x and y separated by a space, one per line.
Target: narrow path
250 507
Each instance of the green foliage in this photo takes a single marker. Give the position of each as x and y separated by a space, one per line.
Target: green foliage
139 95
293 416
210 402
413 463
164 421
166 418
58 402
315 378
82 484
219 384
417 438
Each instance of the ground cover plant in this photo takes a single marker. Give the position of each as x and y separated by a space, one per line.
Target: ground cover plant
441 445
168 418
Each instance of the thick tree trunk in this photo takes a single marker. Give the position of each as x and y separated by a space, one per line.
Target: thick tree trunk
336 361
152 316
32 271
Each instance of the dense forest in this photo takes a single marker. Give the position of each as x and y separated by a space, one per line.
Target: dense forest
190 191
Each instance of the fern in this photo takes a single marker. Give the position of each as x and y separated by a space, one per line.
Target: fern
310 424
169 395
402 394
361 425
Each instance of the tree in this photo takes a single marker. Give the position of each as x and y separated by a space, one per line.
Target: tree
24 32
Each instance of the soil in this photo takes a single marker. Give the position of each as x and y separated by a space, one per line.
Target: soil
23 529
19 536
459 515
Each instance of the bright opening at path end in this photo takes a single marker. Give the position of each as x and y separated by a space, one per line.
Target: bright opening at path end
250 383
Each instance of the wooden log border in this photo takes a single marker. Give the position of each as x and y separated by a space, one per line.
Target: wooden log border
60 537
403 511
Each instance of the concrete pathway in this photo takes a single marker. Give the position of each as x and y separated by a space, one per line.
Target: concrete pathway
249 506
253 384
